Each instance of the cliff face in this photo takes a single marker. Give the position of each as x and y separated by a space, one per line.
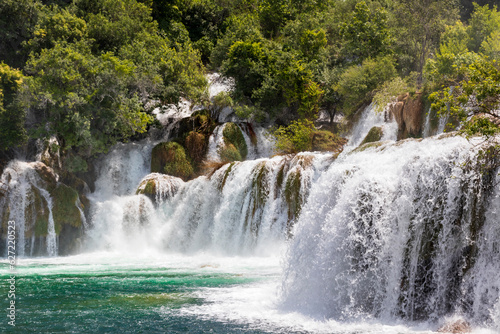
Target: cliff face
408 112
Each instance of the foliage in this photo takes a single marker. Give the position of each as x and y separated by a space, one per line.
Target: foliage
85 99
482 24
389 93
18 19
420 24
12 114
296 137
358 82
366 33
478 93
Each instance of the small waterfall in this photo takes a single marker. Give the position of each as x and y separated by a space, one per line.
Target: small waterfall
369 119
215 142
427 124
121 171
243 208
29 204
443 120
402 231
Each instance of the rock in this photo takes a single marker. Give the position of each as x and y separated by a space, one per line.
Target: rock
170 158
325 141
412 114
46 173
456 327
397 111
50 154
233 136
408 113
375 134
196 146
159 187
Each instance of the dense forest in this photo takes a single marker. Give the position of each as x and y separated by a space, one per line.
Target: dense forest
90 72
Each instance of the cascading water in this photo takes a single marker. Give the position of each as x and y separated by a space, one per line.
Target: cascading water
407 230
27 201
243 208
369 119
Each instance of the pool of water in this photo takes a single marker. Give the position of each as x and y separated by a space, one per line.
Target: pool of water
116 293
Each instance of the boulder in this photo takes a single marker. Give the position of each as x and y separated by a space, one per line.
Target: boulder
375 134
456 327
170 158
407 112
159 187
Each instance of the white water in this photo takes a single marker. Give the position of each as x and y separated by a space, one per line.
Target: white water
240 209
20 181
388 233
369 119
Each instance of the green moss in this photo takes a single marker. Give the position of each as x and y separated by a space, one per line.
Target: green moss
260 189
292 197
229 153
196 146
64 209
39 213
226 175
170 158
233 136
366 146
375 134
325 141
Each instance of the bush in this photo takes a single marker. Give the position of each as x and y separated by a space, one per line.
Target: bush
170 158
357 83
294 138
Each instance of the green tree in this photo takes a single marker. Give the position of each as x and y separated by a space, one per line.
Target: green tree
421 22
476 94
18 19
482 24
84 98
12 115
358 83
366 33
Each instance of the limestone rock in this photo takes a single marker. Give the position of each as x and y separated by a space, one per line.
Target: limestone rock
375 134
408 113
456 327
159 187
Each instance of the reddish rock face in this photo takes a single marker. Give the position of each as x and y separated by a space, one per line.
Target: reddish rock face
408 114
456 327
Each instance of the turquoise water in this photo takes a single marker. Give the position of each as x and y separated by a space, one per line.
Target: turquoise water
113 295
121 293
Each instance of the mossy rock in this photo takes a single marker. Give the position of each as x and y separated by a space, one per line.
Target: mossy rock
325 141
38 213
375 134
366 146
159 186
293 198
229 153
196 146
233 136
170 158
64 207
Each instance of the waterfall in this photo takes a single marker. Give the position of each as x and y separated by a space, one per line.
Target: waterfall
407 230
215 142
242 208
369 119
28 203
427 124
